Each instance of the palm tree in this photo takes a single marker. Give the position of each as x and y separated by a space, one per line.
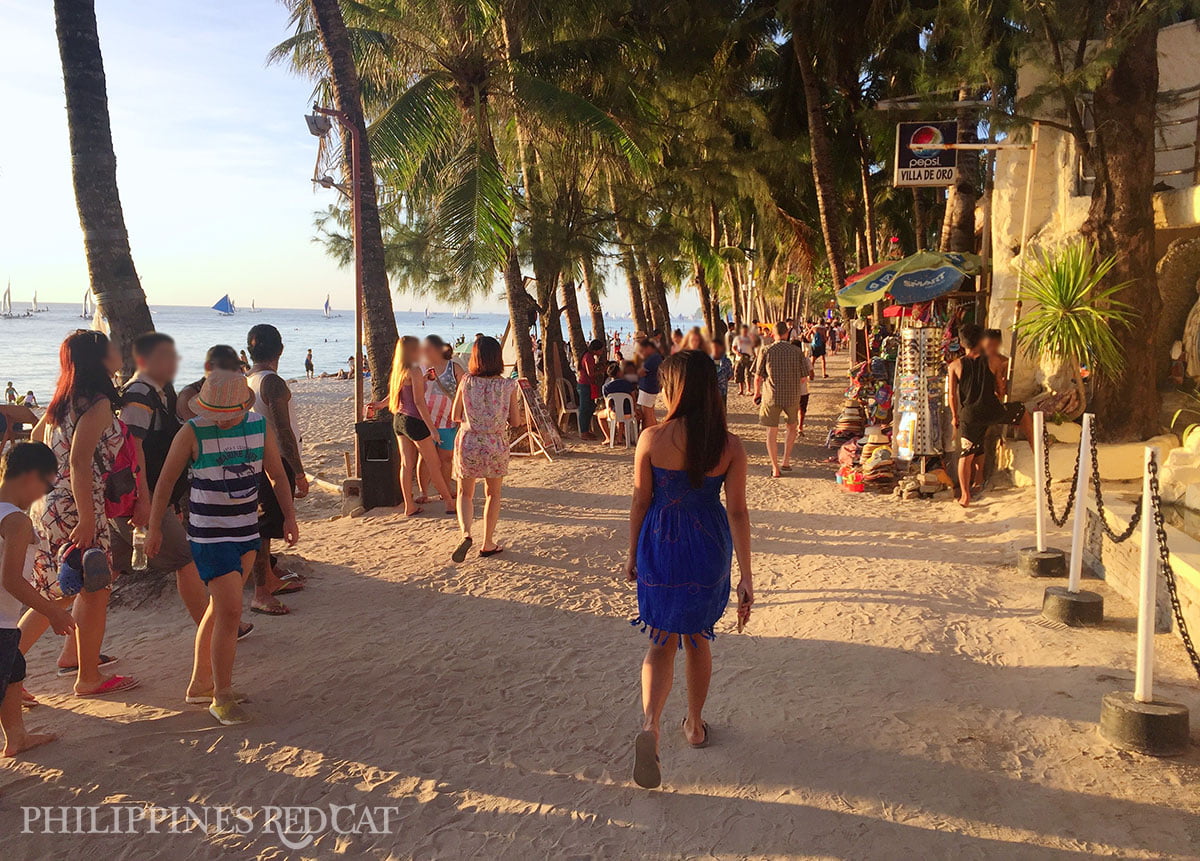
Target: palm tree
379 319
114 280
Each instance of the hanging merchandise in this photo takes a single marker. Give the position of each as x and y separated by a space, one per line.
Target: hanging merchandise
920 393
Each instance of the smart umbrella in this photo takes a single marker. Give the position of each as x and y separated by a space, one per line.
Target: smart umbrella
916 278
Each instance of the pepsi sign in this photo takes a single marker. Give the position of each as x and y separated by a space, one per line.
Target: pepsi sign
921 159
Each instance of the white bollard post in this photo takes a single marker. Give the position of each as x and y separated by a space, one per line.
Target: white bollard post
1143 684
1039 470
1075 573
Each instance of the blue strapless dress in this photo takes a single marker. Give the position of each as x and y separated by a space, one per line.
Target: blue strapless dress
684 555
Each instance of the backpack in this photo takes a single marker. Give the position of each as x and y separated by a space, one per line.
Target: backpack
120 481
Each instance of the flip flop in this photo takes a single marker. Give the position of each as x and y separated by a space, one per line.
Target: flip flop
114 684
228 713
487 553
683 729
244 630
787 468
423 499
105 661
206 699
460 552
277 610
28 700
416 513
647 772
289 589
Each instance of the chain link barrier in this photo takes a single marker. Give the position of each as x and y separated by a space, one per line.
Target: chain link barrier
1164 553
1058 521
1164 561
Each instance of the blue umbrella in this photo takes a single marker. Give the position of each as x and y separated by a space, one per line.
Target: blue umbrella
916 278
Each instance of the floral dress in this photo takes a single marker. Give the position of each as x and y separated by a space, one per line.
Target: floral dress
55 514
481 448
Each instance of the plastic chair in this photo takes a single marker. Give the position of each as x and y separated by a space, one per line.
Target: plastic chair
570 401
621 411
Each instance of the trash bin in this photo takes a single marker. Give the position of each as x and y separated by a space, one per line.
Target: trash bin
378 464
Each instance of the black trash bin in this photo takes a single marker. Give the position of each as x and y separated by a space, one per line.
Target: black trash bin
378 464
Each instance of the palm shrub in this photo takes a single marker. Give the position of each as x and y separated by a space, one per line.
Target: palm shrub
1074 315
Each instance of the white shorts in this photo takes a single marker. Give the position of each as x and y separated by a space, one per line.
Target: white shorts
647 399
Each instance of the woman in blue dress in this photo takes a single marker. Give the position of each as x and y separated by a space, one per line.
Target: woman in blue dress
681 543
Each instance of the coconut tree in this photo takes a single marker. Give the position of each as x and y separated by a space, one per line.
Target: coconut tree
114 280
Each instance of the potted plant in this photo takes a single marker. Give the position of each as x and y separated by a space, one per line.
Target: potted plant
1070 326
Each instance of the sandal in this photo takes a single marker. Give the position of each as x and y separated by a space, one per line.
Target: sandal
112 685
460 552
416 513
228 713
289 589
492 552
697 745
244 630
647 771
274 610
105 661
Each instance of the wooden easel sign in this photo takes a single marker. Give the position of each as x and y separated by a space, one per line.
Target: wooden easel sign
541 433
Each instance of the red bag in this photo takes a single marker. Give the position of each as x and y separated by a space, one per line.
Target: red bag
120 482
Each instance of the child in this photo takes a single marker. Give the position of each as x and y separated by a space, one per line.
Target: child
724 368
227 449
26 475
648 387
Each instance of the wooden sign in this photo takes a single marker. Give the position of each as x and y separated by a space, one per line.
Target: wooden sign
541 435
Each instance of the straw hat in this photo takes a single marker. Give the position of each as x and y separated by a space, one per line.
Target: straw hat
225 396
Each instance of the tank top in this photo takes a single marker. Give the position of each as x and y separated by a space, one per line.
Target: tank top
10 606
223 502
255 381
977 385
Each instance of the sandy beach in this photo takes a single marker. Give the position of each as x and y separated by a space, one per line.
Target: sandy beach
895 696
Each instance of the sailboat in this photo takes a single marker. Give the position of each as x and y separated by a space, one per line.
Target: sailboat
328 308
89 309
253 307
38 309
6 302
225 306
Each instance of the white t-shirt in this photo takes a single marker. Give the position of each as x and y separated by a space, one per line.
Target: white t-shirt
10 607
255 381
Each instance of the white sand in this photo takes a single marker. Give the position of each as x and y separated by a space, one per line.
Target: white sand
894 697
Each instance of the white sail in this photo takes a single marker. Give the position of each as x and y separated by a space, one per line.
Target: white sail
6 302
35 305
328 307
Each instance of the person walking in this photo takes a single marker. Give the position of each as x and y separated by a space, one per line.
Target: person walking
227 450
681 545
413 424
273 401
81 428
486 403
442 375
310 370
780 386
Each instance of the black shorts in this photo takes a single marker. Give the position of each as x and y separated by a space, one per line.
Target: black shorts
270 515
973 429
12 662
410 426
803 404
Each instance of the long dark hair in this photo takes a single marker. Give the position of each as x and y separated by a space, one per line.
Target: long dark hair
487 358
83 375
689 381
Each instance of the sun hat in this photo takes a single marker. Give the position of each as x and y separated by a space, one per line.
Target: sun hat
225 396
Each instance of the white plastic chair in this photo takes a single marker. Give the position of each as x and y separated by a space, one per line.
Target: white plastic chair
570 401
621 411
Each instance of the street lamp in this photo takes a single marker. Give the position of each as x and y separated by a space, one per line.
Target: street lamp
320 123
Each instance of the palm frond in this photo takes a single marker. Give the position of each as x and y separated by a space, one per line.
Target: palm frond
476 213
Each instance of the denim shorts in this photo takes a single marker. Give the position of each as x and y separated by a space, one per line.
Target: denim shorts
215 560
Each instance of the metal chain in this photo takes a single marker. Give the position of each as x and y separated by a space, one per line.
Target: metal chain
1164 558
1125 534
1058 521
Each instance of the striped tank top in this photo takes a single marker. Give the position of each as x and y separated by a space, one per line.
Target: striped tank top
223 502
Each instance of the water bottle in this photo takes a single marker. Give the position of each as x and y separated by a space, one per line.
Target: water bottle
140 562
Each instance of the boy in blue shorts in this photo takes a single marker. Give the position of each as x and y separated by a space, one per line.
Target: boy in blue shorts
227 449
26 474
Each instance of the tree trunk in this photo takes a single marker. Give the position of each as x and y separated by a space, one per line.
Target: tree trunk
522 313
823 163
570 301
114 280
958 226
656 294
379 318
872 235
706 303
1121 218
920 219
593 294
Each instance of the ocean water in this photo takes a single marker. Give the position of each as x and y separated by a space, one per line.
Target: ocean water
29 345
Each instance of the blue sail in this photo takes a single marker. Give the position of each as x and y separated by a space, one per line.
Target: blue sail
224 305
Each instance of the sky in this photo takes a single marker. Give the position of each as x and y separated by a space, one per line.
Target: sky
214 161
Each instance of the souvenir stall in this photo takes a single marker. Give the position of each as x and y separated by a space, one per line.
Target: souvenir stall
894 408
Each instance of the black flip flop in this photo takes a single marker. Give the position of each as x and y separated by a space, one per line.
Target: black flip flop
646 770
486 553
460 552
683 729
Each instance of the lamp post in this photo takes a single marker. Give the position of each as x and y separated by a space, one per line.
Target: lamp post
319 125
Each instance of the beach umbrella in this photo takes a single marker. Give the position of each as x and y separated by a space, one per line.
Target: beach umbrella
916 278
